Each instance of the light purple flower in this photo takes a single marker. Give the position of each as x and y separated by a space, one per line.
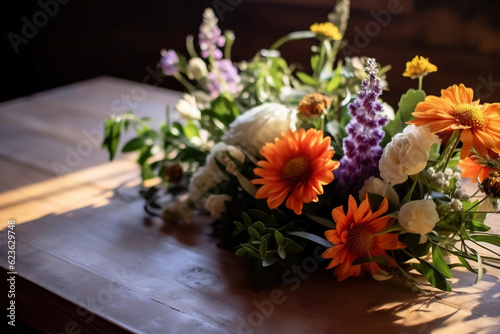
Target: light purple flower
210 37
168 62
223 78
362 151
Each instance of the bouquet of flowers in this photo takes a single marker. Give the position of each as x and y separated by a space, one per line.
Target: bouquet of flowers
284 160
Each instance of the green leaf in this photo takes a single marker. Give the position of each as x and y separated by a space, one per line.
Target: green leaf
320 220
133 144
307 79
263 250
253 233
489 238
291 246
259 227
335 81
467 265
279 237
434 276
480 270
312 237
241 252
112 129
251 250
439 262
246 219
191 130
406 107
268 262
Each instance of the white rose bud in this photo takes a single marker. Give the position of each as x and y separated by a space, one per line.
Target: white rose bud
187 108
406 154
418 217
377 186
215 204
196 69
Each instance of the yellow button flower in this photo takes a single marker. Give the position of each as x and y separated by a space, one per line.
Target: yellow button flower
419 67
326 29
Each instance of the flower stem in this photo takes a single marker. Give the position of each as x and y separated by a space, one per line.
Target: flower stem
420 80
184 82
450 148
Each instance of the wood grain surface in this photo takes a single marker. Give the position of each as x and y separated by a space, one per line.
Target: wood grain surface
89 260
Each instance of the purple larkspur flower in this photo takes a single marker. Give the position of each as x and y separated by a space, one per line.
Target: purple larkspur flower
362 149
223 77
210 36
168 62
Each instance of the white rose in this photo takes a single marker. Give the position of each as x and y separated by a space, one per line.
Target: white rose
215 204
187 107
210 175
406 154
418 217
260 125
196 69
377 186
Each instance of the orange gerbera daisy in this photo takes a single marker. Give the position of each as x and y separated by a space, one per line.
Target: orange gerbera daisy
355 237
455 110
298 166
472 169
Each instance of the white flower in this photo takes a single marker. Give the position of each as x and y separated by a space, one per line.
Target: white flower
215 204
260 125
418 217
210 175
196 69
377 186
187 107
177 211
406 154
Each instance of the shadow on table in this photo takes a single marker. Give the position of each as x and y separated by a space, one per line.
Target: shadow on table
181 268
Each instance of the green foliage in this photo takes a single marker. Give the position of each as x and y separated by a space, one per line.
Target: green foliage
406 107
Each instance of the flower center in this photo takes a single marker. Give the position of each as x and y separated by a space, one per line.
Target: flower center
359 241
297 170
491 184
469 115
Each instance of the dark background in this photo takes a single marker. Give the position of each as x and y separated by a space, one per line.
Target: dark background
85 39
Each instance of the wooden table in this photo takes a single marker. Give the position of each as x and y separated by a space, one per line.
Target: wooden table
89 260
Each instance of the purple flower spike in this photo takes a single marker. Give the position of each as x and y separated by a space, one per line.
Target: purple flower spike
210 36
362 149
168 62
223 78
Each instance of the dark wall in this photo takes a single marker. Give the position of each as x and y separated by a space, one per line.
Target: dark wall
88 38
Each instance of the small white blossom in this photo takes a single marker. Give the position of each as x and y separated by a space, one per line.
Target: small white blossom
216 205
456 205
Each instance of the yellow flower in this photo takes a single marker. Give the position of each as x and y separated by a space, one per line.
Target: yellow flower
314 104
327 29
419 67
